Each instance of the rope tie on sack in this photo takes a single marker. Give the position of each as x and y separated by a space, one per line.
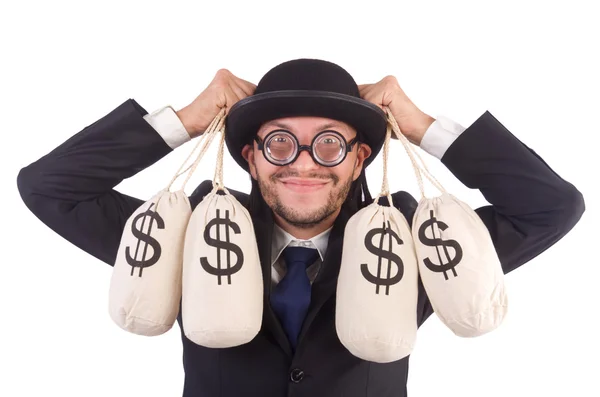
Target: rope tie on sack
420 171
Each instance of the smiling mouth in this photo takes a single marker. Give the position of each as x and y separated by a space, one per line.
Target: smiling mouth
303 185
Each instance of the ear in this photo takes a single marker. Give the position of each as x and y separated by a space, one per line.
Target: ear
363 153
248 154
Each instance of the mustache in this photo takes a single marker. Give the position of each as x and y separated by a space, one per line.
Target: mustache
293 174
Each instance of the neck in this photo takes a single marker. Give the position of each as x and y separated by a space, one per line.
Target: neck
305 233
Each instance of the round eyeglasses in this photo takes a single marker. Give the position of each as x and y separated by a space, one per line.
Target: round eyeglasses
328 148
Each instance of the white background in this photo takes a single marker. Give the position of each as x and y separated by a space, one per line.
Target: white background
533 65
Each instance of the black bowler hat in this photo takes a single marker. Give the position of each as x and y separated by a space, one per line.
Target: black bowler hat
304 87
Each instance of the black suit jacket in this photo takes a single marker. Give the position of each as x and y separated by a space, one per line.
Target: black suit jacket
71 190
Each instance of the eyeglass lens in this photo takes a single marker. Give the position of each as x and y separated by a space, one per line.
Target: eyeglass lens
328 148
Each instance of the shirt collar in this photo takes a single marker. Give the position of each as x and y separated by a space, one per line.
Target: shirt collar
281 239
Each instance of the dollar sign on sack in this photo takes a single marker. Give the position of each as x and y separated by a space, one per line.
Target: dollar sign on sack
449 263
381 254
226 245
146 238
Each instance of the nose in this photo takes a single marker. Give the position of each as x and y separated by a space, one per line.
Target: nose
304 162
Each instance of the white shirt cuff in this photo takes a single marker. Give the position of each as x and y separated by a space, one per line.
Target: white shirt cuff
168 126
440 135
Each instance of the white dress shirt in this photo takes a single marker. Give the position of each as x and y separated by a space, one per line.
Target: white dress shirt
437 139
282 239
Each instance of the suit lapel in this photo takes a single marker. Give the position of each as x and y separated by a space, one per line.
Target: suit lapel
263 227
325 284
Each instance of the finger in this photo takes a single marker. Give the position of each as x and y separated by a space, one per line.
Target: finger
247 86
365 91
238 91
230 98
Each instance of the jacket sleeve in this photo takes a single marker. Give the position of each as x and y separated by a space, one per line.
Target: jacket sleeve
532 207
71 189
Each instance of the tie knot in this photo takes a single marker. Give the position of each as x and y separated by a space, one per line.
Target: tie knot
300 255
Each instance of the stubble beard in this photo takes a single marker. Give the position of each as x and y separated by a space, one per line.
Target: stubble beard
305 219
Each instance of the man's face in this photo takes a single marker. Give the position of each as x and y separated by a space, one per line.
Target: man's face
305 193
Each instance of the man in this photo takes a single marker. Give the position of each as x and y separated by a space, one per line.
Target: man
305 134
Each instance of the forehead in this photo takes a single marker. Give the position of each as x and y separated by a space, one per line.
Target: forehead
307 125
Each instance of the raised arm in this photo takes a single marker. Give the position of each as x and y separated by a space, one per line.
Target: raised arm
71 189
532 207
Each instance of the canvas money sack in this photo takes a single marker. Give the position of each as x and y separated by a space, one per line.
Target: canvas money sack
458 264
222 303
377 289
145 286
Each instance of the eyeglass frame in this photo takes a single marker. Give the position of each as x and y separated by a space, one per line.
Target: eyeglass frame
309 148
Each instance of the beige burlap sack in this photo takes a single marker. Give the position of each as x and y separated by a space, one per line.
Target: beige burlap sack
222 302
145 286
376 298
458 264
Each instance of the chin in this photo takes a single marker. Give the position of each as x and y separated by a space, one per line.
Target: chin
302 204
302 216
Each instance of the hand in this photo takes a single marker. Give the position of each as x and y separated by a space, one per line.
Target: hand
224 90
412 121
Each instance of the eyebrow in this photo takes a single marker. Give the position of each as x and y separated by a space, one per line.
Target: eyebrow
289 127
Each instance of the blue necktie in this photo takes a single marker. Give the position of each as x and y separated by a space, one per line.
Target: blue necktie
291 297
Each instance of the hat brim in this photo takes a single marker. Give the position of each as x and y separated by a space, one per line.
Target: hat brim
247 115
